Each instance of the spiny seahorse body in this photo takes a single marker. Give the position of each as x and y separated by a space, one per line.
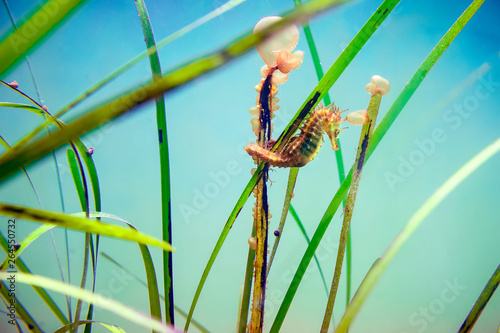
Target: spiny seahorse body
303 147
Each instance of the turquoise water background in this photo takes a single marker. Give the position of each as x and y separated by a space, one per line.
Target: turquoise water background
432 283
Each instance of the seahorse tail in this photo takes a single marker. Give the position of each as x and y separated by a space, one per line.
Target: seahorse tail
274 159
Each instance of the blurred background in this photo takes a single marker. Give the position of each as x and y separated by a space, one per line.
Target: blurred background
432 283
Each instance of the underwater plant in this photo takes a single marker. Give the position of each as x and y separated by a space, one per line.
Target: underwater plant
164 151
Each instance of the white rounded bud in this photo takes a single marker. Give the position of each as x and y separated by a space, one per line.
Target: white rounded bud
255 111
286 40
371 88
382 84
252 242
255 125
378 85
359 117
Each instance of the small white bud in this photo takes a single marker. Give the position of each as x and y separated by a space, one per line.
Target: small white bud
359 117
252 242
255 111
378 85
255 125
371 88
382 84
279 77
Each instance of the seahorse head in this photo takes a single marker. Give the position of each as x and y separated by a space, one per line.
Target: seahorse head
331 123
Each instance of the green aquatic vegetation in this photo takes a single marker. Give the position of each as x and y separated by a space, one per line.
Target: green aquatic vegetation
106 303
161 120
23 154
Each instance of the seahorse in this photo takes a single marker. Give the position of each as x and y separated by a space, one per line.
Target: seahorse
303 147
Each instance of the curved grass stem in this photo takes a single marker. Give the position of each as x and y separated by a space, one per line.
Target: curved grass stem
364 142
161 121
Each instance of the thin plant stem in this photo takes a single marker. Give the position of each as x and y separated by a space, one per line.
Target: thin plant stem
481 302
21 311
247 288
83 281
261 213
292 178
161 120
364 142
301 227
261 227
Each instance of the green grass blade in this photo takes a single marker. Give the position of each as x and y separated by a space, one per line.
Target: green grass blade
79 179
92 172
26 242
338 67
13 255
154 299
314 51
379 133
417 218
111 328
27 107
34 28
247 288
338 153
161 121
364 143
76 145
12 160
21 312
7 146
23 268
222 237
179 310
303 230
76 168
167 40
81 224
75 173
481 302
4 143
94 180
93 298
292 179
420 74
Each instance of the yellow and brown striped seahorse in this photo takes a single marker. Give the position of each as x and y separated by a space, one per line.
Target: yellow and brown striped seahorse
303 147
